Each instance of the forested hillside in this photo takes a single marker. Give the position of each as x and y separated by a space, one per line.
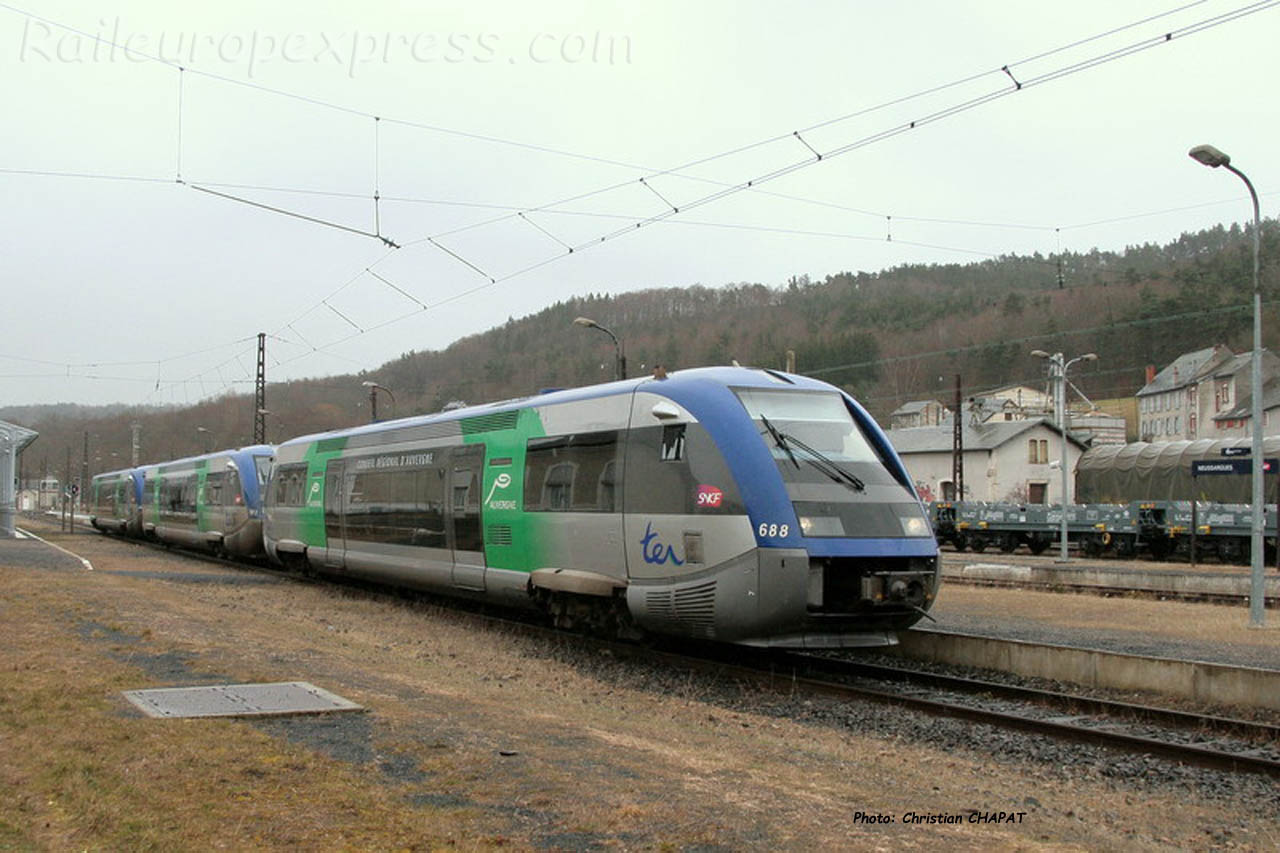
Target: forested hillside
888 337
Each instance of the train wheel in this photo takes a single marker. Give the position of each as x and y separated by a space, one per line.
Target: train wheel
1091 546
1160 546
978 543
1038 544
960 541
1126 546
593 615
1008 543
1234 549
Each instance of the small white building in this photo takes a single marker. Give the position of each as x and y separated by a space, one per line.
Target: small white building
918 413
1003 460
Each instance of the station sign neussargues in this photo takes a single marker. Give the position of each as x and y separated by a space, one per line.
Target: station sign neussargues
1201 467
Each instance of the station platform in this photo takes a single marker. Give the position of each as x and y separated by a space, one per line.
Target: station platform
32 551
1172 579
1179 630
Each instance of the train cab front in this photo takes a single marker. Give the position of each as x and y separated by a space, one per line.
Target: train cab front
845 516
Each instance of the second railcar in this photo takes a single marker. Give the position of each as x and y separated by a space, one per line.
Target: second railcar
212 502
734 504
115 501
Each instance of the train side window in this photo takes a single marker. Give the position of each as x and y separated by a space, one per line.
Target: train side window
231 492
429 497
572 473
288 484
606 488
656 484
673 442
557 488
213 485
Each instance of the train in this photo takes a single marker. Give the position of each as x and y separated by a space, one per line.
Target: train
211 502
731 504
1157 529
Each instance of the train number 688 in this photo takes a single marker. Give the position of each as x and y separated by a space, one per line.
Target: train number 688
773 531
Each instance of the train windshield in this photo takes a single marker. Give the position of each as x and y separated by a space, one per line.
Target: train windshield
838 483
262 466
815 422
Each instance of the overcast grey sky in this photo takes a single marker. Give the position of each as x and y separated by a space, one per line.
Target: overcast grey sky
130 286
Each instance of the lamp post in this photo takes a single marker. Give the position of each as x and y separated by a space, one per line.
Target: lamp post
374 388
262 413
1058 370
206 441
619 356
1212 157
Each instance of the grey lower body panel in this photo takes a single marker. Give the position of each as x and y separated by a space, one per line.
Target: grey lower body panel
768 597
246 541
756 594
187 537
426 569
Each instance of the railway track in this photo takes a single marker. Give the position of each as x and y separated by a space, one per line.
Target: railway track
1225 744
1218 743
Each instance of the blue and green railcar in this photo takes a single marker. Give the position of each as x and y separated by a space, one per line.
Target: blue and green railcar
733 504
211 502
115 502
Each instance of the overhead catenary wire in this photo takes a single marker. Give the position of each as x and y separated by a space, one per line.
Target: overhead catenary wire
182 76
731 188
295 214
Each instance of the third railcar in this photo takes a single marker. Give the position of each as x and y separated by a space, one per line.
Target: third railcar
741 505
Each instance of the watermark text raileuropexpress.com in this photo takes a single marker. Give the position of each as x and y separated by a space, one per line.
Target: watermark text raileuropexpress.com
351 51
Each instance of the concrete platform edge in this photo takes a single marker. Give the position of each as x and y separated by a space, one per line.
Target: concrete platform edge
1218 684
1184 583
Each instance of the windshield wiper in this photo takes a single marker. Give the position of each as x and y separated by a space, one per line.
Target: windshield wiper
828 466
780 439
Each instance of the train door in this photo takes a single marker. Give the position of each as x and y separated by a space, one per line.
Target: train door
335 515
232 501
466 465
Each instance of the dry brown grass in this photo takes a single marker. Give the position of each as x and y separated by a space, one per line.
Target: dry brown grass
595 758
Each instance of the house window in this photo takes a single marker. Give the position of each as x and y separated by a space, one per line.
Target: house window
1038 451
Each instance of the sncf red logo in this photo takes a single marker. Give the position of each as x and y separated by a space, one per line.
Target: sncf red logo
710 496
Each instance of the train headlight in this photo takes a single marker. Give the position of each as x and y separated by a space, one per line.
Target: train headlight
821 525
915 525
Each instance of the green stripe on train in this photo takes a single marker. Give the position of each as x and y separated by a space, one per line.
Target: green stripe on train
512 537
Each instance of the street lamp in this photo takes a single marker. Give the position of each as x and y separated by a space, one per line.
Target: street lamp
262 413
207 440
1212 157
374 388
619 356
1058 370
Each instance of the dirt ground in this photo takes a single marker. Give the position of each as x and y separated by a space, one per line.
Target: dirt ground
473 738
